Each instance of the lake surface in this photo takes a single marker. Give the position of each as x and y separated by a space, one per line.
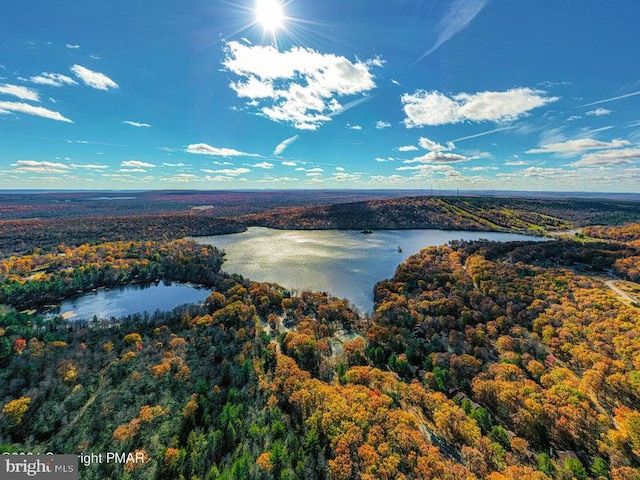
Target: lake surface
344 263
131 299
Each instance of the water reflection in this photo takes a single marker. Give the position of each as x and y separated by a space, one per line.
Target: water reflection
130 299
346 264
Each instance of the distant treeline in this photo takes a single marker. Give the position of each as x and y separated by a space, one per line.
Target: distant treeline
522 215
23 236
469 213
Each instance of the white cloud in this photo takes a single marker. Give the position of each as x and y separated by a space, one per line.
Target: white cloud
228 171
439 157
31 110
539 172
609 157
282 146
136 124
433 146
354 127
23 93
204 149
72 46
407 148
263 165
571 147
289 164
89 166
182 178
271 178
136 164
434 108
380 124
598 112
53 79
93 79
388 159
340 169
346 177
482 169
457 17
132 170
300 86
429 169
165 164
515 163
34 166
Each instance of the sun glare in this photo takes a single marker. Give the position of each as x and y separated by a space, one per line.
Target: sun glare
269 14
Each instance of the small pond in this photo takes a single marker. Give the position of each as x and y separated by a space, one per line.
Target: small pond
130 300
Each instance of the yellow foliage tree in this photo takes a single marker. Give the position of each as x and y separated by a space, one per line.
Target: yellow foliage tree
16 409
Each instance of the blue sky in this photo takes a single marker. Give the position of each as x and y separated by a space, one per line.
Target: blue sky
469 94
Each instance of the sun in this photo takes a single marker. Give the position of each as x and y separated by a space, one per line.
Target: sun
269 14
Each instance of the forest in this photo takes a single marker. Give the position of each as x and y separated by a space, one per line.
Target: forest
74 219
482 360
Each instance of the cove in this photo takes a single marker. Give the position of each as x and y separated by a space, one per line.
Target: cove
130 300
344 263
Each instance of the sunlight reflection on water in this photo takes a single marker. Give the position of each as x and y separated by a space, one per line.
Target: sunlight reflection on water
345 263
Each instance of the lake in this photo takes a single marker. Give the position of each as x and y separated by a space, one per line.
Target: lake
131 299
344 263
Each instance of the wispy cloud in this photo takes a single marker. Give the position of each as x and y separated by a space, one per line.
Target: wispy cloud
457 17
229 171
52 79
435 108
609 157
380 125
204 149
439 157
266 165
32 110
182 178
93 79
34 166
340 109
23 93
571 147
72 46
89 166
598 112
482 134
282 146
166 164
136 124
612 99
136 164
